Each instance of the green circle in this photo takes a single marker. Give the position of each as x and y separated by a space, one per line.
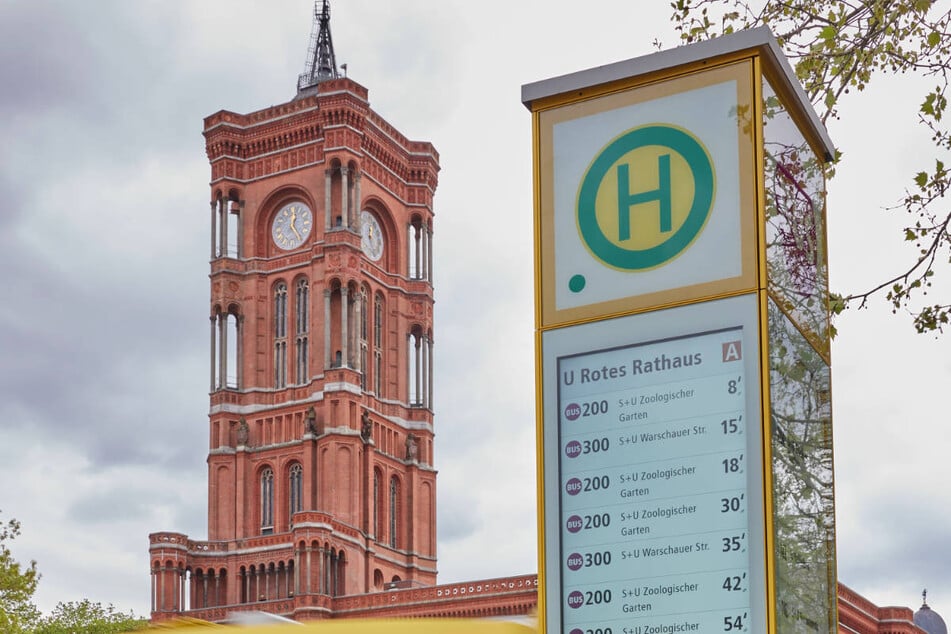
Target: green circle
576 283
700 165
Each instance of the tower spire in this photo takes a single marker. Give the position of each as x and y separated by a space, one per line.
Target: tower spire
321 63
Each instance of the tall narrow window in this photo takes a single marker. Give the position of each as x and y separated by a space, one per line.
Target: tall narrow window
233 217
419 253
364 319
225 350
302 327
280 335
296 486
267 502
232 351
303 315
377 502
412 368
394 511
216 230
378 373
363 316
340 577
415 254
226 226
420 368
302 351
378 344
363 366
378 321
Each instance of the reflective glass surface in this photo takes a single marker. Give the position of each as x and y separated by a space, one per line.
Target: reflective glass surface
803 493
795 222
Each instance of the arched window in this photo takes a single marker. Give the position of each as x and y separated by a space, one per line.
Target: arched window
267 502
296 489
395 510
302 327
280 335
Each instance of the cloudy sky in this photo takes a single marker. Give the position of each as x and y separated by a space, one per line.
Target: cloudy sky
103 274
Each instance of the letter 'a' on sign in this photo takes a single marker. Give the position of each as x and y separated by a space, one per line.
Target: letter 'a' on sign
732 351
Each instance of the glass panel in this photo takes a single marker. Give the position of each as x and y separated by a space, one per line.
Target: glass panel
803 494
795 223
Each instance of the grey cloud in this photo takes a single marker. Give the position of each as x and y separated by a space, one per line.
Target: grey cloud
34 72
131 500
107 507
77 359
458 517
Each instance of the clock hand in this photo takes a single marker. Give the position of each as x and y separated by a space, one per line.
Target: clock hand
293 228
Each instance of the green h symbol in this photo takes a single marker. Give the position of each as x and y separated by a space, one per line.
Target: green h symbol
626 200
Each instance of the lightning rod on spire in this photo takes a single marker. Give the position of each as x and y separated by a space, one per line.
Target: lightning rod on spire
321 62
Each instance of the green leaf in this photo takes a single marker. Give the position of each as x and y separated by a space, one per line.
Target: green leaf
837 303
830 99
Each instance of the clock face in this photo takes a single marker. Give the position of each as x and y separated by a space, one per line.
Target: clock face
372 236
291 226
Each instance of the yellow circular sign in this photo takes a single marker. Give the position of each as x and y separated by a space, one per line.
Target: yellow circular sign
646 197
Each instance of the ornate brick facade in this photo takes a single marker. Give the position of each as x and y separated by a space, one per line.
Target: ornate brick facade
858 614
320 464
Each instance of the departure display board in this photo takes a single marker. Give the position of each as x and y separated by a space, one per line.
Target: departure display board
659 480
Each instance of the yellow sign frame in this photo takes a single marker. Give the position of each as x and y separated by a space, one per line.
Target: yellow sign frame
739 69
750 58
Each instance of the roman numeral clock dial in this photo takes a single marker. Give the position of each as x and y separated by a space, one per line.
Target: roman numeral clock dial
291 226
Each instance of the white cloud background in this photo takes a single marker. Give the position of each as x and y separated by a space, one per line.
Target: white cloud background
103 290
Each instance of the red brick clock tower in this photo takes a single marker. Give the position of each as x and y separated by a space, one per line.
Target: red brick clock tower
320 477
